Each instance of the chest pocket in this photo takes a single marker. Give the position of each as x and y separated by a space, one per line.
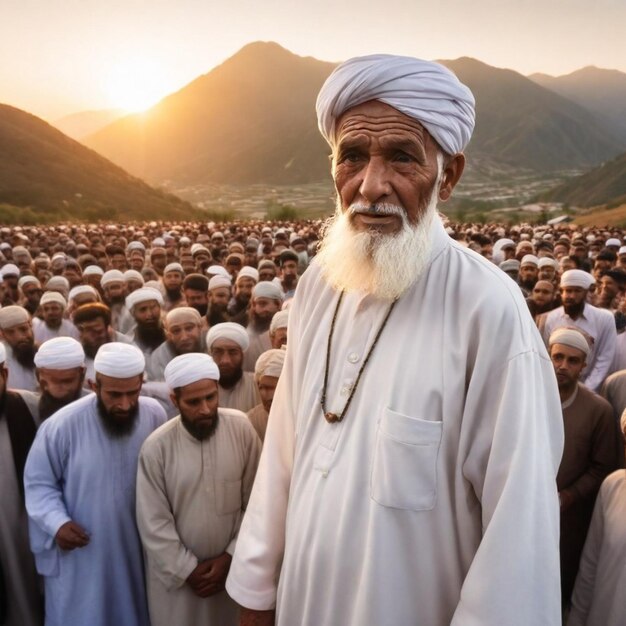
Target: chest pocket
227 496
404 469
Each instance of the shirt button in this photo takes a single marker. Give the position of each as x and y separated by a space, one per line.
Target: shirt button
325 474
353 357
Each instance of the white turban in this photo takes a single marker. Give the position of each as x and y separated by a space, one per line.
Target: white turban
60 353
182 315
426 91
173 267
27 279
119 360
228 330
3 353
609 242
529 259
267 289
570 337
135 245
80 289
189 368
10 270
270 363
133 275
218 270
58 282
219 281
546 261
112 276
143 295
93 270
279 320
53 296
248 272
13 315
577 278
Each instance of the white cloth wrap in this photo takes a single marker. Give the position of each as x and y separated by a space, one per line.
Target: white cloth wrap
133 275
119 360
218 281
267 289
112 276
424 90
577 278
182 315
12 316
143 295
529 259
546 261
60 353
24 280
10 269
190 368
218 270
53 296
174 267
228 330
270 363
570 337
280 320
80 289
3 353
93 270
248 272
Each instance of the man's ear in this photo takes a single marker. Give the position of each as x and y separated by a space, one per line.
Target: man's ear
452 172
174 400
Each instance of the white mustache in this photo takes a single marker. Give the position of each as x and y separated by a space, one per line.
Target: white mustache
380 208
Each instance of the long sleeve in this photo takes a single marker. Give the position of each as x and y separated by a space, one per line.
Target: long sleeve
605 352
157 526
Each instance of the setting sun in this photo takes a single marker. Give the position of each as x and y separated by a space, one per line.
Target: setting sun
135 85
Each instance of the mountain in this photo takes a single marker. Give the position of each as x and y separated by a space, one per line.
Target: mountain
79 125
603 185
54 177
601 91
252 120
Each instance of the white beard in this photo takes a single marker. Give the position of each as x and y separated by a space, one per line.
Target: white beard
382 265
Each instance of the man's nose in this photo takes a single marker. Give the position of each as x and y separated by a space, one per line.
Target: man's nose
375 186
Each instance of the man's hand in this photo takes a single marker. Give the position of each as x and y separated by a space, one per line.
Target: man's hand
71 536
257 618
209 577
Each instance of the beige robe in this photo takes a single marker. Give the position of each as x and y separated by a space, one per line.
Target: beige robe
190 500
258 417
259 343
243 396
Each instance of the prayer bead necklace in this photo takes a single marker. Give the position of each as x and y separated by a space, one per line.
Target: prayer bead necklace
331 418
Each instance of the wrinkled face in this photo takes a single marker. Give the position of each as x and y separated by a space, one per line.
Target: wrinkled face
265 308
267 387
184 336
19 336
62 385
52 314
220 296
197 404
568 364
279 338
560 250
228 355
173 280
382 155
147 313
543 293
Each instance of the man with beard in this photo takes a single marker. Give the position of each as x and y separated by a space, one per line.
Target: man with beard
114 287
278 329
53 324
246 279
267 270
31 292
547 269
528 274
227 344
194 479
590 452
173 276
267 298
80 496
10 275
220 290
183 328
424 484
288 262
17 333
134 280
145 305
541 299
19 584
596 323
196 292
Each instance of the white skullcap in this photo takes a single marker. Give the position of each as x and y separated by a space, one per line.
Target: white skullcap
228 330
621 251
189 368
270 363
143 295
13 315
613 242
3 353
159 242
135 245
10 270
93 270
184 241
183 314
53 296
510 265
426 91
27 279
119 360
577 278
546 261
79 289
133 275
218 270
219 281
60 353
570 337
280 320
248 272
267 289
58 282
112 276
529 259
198 247
173 267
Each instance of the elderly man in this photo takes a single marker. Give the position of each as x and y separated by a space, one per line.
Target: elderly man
80 496
227 344
266 374
19 584
146 305
53 324
194 479
17 333
597 323
267 298
183 328
590 452
405 501
278 329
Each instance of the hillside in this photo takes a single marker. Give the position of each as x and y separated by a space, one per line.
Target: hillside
79 125
59 178
252 120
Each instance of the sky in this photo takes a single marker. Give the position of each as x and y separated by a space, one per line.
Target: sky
64 56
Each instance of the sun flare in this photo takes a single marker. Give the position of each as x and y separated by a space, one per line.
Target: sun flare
135 85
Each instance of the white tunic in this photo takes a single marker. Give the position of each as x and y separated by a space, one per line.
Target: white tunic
190 500
20 377
434 501
243 396
599 597
43 332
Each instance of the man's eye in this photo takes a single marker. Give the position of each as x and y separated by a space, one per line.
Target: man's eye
403 157
350 157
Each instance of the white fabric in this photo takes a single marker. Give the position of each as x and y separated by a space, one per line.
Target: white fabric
12 316
228 330
61 353
270 363
189 368
182 315
621 251
529 259
613 242
20 377
58 282
248 272
546 261
133 275
93 270
174 267
218 270
80 289
10 270
112 276
119 360
218 281
267 289
280 320
423 90
27 279
243 396
144 294
3 353
42 332
570 337
577 278
410 510
53 296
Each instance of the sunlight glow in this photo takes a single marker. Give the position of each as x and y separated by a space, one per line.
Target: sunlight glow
135 85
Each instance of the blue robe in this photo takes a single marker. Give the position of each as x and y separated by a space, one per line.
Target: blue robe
77 471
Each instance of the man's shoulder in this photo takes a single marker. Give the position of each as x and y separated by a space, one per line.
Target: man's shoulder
594 402
235 420
159 437
151 407
71 415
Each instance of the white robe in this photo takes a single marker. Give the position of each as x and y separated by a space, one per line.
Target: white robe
434 501
42 332
259 343
20 377
599 597
243 396
190 500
